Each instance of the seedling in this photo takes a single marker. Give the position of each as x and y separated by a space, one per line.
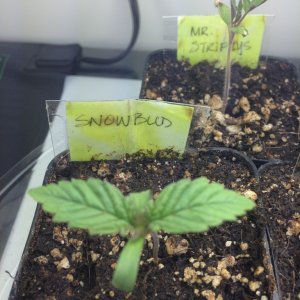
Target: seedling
98 206
233 16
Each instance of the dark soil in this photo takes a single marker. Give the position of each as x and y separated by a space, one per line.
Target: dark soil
224 263
280 192
265 103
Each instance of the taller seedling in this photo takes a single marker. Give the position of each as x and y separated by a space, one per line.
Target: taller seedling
233 16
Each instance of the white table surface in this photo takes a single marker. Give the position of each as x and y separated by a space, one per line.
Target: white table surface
77 88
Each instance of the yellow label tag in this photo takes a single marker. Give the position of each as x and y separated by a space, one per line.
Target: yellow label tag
110 129
203 38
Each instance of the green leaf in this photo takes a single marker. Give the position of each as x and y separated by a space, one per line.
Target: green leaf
94 205
257 3
225 13
138 207
247 5
194 206
125 275
240 30
243 8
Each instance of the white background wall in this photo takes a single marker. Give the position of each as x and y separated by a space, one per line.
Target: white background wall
107 23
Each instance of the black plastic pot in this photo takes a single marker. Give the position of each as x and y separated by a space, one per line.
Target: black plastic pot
161 55
53 162
281 201
165 55
233 154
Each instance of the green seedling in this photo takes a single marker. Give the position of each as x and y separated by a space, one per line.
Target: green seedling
233 15
98 206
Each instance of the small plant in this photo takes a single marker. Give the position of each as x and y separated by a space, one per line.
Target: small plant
98 206
233 16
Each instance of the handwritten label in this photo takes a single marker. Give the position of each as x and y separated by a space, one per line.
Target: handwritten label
110 129
203 38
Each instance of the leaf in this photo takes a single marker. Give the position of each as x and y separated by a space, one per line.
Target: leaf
243 8
194 206
138 207
225 13
94 205
257 3
240 30
125 275
247 5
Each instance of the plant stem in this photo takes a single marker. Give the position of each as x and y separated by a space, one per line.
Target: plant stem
296 166
155 246
227 79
